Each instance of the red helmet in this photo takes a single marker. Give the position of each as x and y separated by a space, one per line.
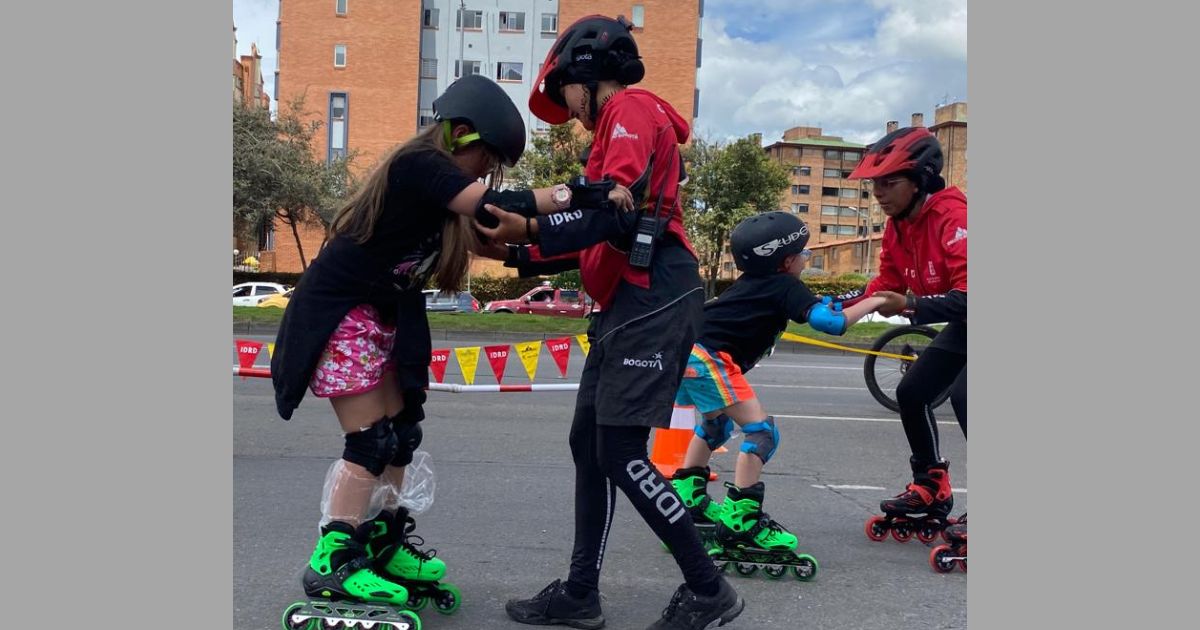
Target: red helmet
908 150
594 48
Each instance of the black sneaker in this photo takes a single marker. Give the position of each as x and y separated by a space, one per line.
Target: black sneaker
689 611
554 605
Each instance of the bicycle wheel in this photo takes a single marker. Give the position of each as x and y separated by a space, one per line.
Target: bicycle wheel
883 374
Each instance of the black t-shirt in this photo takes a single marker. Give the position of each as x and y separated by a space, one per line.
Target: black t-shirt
749 316
408 234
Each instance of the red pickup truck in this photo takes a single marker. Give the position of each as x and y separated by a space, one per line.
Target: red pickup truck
545 300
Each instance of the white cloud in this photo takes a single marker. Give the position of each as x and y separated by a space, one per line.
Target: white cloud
848 80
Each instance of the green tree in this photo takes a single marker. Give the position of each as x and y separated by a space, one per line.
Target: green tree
277 175
726 184
552 158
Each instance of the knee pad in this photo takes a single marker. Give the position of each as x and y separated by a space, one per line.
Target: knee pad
762 438
408 438
715 432
372 448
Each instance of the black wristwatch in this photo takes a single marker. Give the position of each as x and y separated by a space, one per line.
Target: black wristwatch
910 306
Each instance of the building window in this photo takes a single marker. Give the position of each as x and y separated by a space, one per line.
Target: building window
425 118
550 23
471 20
338 113
877 228
846 174
276 86
512 21
850 156
795 189
699 49
429 68
802 170
829 191
473 67
850 193
339 55
696 103
833 154
829 210
339 6
277 30
838 230
847 211
832 172
866 194
800 208
429 18
540 125
266 237
639 16
509 71
818 262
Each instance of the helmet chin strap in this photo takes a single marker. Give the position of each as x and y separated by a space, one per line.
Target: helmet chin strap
454 144
917 200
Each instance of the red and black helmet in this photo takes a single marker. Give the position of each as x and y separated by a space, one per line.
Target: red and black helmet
594 48
907 151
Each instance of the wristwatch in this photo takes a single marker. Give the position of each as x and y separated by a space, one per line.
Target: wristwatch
561 195
910 306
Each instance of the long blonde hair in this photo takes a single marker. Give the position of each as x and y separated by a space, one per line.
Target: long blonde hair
356 219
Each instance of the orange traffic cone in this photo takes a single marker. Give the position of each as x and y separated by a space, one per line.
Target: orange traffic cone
670 446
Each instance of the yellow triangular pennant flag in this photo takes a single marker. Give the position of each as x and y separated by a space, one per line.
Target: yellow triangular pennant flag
270 350
528 352
468 360
583 343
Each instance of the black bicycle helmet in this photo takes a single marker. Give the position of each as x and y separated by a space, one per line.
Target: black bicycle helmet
761 242
595 48
481 102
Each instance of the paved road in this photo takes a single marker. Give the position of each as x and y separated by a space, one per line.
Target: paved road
502 516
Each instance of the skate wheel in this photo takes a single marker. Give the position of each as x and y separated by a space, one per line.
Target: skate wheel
414 622
902 531
746 569
806 568
448 599
416 601
876 528
928 533
775 572
288 624
937 559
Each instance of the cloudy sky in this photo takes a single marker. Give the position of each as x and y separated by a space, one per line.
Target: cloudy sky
847 66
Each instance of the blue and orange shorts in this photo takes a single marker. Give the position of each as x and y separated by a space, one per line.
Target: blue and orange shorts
712 381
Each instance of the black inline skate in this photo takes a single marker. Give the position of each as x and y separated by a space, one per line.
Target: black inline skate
922 509
943 558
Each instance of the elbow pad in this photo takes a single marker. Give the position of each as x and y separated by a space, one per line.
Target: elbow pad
521 202
826 319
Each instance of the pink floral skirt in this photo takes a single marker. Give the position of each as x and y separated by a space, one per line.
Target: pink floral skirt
356 355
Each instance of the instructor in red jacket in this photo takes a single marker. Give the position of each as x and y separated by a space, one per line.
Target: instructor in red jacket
923 275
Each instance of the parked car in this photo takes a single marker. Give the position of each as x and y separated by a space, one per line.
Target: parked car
545 300
251 293
461 302
278 300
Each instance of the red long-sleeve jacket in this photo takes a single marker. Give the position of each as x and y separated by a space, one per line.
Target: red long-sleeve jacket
928 255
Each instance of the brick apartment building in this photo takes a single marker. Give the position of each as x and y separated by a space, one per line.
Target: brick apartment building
248 91
369 69
841 240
